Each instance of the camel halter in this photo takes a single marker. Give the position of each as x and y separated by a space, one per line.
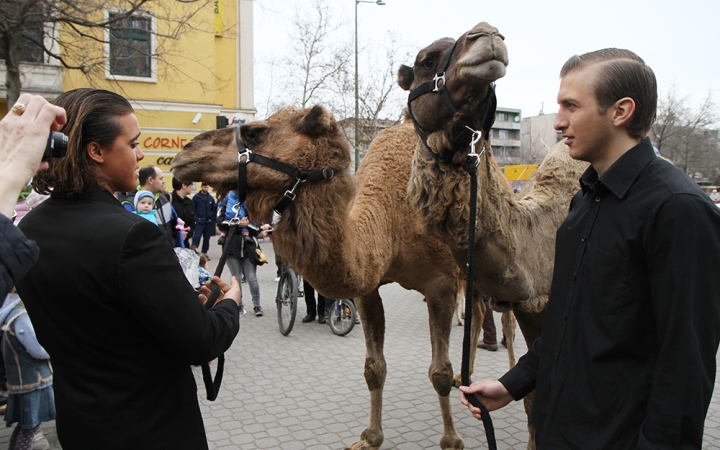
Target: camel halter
467 135
471 137
245 156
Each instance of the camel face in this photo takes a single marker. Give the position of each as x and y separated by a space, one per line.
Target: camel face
480 58
210 157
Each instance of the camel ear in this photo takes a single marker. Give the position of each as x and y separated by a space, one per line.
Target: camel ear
406 76
316 122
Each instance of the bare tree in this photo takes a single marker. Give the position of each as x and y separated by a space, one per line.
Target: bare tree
687 136
32 29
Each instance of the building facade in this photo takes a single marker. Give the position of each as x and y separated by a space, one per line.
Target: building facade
538 136
177 82
505 136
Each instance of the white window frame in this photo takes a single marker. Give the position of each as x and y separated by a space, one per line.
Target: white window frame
153 50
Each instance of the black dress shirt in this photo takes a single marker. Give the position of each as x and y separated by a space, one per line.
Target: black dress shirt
627 354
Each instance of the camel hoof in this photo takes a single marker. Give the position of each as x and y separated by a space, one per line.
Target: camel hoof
454 442
361 445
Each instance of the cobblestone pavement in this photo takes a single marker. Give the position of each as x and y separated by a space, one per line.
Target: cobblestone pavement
307 391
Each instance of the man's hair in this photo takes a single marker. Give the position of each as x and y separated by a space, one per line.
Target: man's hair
621 73
177 184
145 173
92 116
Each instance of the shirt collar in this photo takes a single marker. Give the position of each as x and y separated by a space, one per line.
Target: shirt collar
622 173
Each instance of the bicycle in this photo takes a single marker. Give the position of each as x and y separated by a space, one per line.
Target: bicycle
342 316
290 290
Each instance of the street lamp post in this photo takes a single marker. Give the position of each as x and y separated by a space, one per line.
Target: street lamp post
357 105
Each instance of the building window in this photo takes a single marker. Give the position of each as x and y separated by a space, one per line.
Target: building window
501 117
130 46
30 51
502 134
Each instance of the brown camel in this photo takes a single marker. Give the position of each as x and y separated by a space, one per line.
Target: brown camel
515 235
347 237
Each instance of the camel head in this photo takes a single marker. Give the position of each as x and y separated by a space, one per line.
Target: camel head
479 58
307 139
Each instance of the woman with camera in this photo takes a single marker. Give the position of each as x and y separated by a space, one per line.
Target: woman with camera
108 299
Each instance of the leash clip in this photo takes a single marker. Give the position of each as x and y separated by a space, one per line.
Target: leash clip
440 76
291 193
476 136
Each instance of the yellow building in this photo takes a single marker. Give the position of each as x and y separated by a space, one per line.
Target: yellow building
179 86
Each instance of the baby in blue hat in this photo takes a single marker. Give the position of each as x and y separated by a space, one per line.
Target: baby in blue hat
144 203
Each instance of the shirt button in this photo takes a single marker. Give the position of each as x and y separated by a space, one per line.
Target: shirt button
597 199
582 239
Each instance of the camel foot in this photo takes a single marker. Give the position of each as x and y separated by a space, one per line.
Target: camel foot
452 442
362 445
457 381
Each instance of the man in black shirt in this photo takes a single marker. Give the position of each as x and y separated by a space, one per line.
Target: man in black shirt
184 207
627 355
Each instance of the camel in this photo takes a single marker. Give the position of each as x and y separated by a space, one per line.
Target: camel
515 234
347 237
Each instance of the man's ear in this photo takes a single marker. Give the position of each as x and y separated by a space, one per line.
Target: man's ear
95 152
623 111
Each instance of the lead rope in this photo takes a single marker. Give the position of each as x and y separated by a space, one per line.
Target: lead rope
471 164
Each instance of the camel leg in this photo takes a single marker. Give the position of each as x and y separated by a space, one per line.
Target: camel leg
508 328
531 327
372 315
478 315
440 314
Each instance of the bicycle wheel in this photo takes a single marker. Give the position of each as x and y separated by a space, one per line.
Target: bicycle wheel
342 317
286 301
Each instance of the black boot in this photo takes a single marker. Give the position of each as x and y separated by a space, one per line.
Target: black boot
308 318
321 318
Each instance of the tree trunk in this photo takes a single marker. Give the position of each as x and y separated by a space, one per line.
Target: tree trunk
13 49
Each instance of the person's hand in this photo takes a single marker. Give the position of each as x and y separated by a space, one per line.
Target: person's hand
23 137
232 291
244 222
491 393
265 226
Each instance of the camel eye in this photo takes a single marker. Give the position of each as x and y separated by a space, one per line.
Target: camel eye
428 63
251 134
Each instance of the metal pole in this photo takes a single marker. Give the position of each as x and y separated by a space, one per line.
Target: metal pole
357 106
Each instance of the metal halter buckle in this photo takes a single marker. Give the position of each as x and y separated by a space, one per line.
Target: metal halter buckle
291 193
247 153
439 77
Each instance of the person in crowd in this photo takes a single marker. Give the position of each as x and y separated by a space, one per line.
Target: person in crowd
152 179
184 206
29 377
630 337
311 309
204 274
145 205
23 137
124 334
489 332
237 259
205 216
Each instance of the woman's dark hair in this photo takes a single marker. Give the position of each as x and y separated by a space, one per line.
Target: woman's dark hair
92 116
621 73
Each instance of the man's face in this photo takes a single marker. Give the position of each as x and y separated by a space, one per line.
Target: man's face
157 184
187 189
145 205
205 188
586 132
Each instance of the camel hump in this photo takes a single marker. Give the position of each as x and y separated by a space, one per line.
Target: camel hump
557 178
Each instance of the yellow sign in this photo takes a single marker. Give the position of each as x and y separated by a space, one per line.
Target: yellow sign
218 10
519 171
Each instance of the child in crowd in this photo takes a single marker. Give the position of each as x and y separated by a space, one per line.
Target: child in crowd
204 274
31 399
144 205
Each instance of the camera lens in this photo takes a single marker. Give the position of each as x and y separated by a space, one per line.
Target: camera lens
56 146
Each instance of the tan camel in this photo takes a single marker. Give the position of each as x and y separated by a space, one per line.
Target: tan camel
346 238
515 235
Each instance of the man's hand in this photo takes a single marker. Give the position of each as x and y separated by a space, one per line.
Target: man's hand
491 393
232 292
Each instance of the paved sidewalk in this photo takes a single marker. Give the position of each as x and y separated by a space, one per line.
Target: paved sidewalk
307 391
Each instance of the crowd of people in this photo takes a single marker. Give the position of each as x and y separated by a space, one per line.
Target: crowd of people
626 358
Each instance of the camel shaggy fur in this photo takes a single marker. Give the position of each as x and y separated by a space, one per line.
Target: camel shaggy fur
347 237
515 235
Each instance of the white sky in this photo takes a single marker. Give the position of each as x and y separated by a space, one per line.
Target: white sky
680 40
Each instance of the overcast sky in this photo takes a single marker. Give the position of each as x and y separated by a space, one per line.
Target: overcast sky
680 40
